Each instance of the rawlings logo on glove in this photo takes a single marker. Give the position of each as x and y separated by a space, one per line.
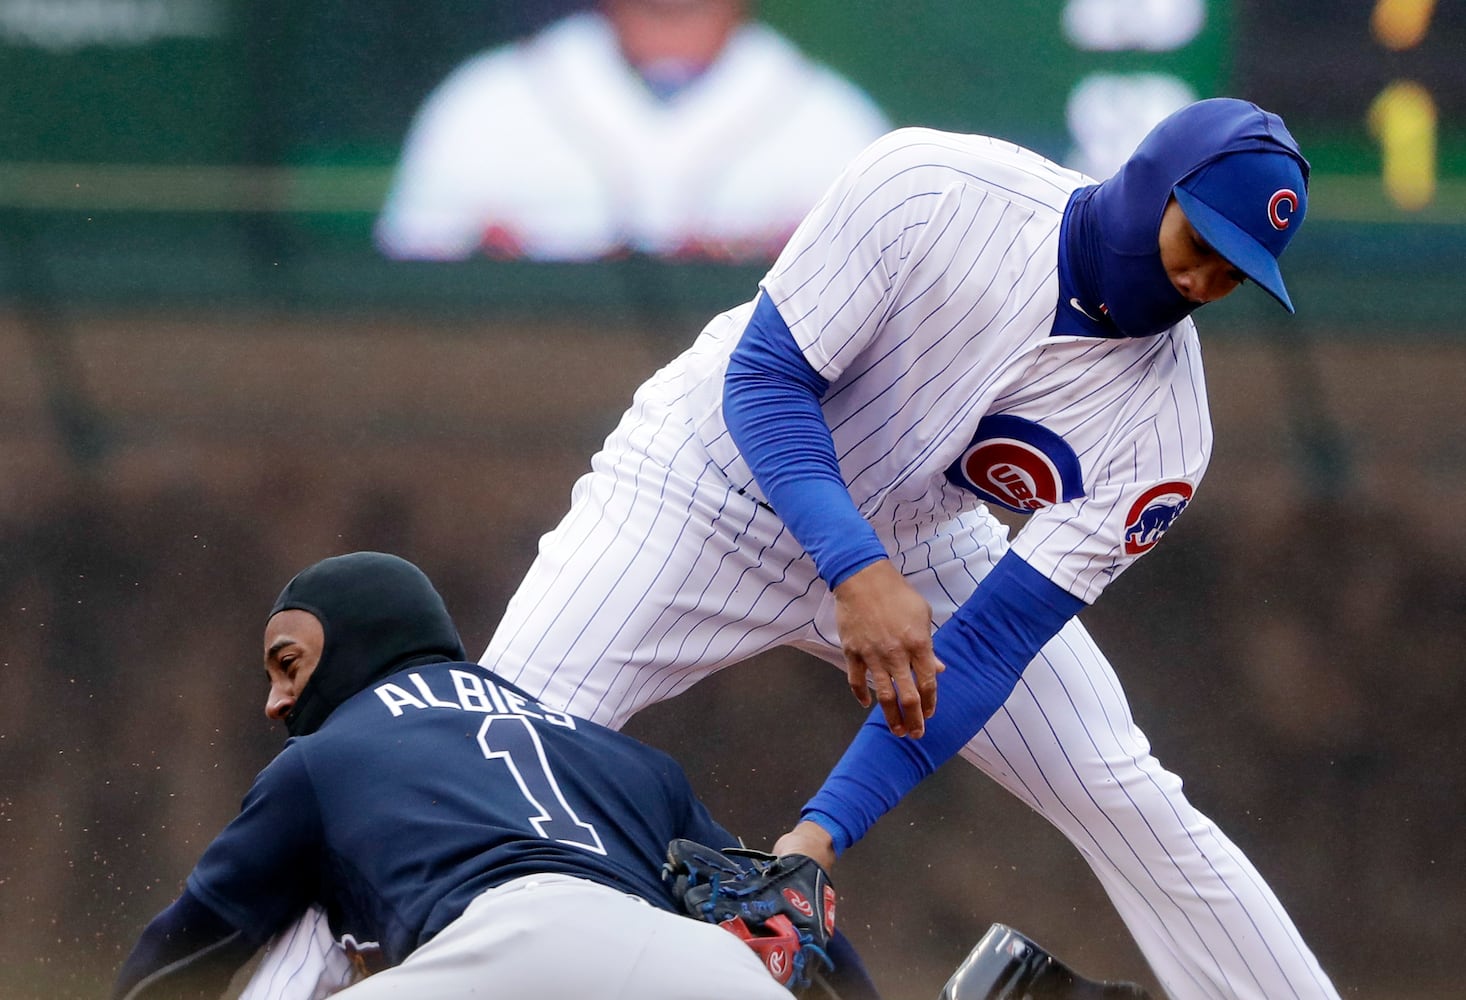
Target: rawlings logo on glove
781 907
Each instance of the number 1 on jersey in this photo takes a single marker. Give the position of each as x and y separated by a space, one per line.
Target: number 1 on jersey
513 740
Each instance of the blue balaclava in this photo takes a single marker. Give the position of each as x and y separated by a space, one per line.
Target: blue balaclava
1243 184
380 614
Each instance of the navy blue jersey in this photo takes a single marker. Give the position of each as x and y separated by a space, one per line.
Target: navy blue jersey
439 782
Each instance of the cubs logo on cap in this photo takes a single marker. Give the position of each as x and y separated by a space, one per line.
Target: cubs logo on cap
1281 207
1247 205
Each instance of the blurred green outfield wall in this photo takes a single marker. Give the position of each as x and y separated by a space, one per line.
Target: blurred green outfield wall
194 151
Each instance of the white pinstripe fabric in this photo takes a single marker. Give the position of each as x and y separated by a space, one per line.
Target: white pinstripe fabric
950 322
302 962
923 287
669 615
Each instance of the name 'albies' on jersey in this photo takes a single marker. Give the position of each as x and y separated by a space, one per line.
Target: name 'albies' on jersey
429 787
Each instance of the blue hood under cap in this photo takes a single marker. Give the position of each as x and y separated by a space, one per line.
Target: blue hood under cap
1110 260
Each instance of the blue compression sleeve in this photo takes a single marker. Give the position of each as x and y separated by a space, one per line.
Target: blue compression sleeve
771 401
985 646
188 949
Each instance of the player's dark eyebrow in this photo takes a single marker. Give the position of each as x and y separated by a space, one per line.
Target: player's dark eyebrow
278 645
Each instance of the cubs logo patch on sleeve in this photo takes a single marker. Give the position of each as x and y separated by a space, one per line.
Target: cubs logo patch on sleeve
1153 512
1018 464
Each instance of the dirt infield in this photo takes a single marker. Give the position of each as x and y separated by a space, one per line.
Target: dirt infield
1293 650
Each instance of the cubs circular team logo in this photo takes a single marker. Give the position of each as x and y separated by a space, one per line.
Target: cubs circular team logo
1153 513
1281 206
1016 475
1018 464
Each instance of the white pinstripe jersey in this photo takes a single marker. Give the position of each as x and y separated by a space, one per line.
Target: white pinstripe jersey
924 287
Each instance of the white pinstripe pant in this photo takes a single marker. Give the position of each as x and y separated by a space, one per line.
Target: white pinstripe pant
661 574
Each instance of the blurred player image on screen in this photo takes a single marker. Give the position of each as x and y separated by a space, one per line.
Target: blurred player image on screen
677 128
959 323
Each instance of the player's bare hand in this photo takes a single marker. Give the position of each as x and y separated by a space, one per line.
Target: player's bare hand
886 633
811 840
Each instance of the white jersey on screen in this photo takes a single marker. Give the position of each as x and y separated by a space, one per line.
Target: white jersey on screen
555 149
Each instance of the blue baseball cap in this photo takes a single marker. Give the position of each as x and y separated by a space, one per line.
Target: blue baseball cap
1247 205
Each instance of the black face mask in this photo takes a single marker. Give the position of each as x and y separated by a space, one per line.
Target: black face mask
380 614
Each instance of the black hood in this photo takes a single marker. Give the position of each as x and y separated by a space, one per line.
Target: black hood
380 615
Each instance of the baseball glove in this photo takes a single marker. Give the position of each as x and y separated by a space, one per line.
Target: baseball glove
783 907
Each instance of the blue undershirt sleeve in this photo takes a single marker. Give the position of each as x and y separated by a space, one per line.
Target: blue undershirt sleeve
985 646
771 402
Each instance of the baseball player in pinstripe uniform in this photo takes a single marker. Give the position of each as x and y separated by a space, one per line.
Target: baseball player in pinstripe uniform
958 323
456 832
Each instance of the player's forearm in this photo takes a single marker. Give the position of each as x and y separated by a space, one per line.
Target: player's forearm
986 644
771 405
187 950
